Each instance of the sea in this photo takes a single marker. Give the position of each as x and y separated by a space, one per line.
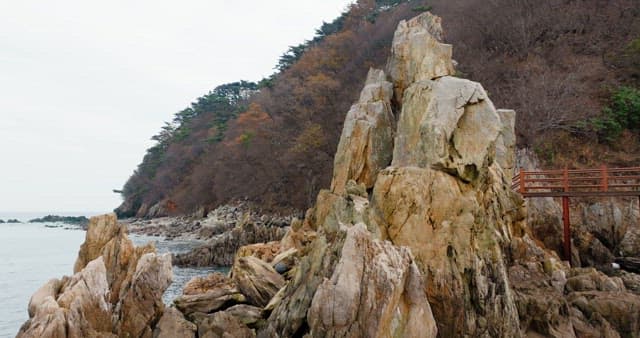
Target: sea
33 253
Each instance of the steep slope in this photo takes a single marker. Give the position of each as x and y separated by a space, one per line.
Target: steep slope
555 62
288 131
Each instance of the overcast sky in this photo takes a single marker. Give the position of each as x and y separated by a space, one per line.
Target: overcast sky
85 84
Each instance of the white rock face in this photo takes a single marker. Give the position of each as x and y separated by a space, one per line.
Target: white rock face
448 124
367 137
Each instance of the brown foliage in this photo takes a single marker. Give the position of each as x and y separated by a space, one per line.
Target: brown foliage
545 59
551 61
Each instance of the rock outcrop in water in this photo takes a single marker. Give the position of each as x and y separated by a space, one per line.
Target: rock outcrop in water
116 290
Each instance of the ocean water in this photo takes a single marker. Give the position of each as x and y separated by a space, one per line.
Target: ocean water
180 275
32 254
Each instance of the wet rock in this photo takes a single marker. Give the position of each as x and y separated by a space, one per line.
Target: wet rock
631 264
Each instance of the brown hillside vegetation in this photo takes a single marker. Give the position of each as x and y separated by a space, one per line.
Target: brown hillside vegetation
556 62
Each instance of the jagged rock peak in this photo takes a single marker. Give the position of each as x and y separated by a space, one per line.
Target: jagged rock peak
417 53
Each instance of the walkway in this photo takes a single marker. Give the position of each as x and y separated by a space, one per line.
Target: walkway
566 183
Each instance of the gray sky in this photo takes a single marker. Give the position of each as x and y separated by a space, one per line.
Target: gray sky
85 84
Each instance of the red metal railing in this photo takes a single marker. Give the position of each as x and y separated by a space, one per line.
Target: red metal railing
575 183
578 182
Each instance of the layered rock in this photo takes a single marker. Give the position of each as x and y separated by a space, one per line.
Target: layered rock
116 290
218 305
221 250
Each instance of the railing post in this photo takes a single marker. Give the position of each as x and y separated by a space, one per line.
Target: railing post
566 218
605 178
567 228
523 182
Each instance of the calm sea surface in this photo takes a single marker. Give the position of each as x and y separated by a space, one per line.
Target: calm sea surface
32 254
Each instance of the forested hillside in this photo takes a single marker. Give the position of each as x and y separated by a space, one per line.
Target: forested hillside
571 69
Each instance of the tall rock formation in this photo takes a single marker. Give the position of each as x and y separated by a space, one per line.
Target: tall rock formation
446 196
439 223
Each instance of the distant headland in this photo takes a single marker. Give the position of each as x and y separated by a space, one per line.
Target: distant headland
75 220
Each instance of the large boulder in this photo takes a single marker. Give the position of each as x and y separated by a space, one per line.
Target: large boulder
108 239
457 236
343 250
446 198
448 124
207 295
256 279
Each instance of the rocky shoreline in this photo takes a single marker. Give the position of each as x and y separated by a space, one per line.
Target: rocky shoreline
420 235
221 233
